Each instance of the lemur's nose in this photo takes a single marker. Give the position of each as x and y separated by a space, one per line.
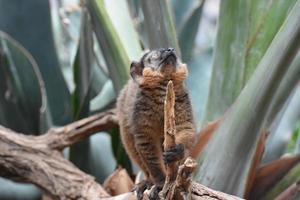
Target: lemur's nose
170 49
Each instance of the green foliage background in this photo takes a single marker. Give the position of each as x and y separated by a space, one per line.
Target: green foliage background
59 64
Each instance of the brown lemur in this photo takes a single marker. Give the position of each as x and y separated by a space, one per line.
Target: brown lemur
140 110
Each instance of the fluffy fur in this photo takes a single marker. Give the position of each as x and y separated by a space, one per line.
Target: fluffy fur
140 109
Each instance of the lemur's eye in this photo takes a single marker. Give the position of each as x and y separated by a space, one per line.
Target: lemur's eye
155 55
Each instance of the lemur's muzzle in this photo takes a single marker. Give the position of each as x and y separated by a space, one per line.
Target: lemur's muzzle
169 57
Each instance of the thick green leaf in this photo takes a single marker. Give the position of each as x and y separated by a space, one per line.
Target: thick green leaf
283 129
32 28
138 19
82 69
187 31
292 146
99 78
65 19
297 149
245 31
119 151
17 22
115 56
118 12
288 85
199 72
89 75
281 124
233 144
159 25
181 10
134 8
80 152
105 98
23 99
66 22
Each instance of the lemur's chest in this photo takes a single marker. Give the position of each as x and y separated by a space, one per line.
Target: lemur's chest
149 106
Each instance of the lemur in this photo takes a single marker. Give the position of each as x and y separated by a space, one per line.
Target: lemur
140 110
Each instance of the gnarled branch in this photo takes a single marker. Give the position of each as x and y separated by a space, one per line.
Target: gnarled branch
38 160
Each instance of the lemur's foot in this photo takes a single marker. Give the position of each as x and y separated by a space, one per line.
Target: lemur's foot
174 154
141 187
154 192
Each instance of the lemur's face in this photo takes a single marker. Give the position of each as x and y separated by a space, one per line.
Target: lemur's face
158 65
162 60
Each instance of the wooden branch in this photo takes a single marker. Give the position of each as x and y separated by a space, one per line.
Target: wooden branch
198 192
169 137
59 138
38 159
184 179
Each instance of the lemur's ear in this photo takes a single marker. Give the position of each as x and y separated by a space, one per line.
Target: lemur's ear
136 70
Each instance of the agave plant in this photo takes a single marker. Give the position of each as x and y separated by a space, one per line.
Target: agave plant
250 83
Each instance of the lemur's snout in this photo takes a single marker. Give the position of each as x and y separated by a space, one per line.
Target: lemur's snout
169 56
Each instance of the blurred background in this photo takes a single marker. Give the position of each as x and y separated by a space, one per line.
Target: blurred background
63 60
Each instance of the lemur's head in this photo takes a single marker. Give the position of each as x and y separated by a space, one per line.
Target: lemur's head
158 66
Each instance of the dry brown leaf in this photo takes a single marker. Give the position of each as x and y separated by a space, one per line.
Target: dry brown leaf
255 162
268 175
204 136
118 182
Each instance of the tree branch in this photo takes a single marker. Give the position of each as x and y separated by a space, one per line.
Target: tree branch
38 160
59 138
169 137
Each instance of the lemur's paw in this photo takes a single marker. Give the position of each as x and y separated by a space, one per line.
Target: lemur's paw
154 192
141 187
174 154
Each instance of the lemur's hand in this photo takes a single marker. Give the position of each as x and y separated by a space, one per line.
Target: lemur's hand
174 154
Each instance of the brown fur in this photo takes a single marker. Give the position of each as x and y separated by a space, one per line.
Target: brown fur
140 111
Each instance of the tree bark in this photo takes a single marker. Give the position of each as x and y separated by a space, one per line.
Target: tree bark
38 159
169 139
